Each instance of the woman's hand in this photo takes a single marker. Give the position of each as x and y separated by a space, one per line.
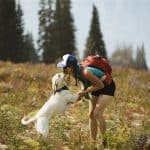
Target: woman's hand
81 94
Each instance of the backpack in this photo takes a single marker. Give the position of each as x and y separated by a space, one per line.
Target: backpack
100 63
97 62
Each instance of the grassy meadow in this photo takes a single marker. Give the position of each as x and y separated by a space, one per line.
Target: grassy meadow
24 88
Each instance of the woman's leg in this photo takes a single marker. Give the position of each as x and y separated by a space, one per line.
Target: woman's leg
92 119
102 102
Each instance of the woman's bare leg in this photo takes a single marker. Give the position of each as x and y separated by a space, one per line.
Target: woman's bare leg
92 120
101 104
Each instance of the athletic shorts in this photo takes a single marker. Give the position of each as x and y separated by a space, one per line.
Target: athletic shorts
107 90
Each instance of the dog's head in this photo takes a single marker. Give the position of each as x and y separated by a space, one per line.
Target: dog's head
59 80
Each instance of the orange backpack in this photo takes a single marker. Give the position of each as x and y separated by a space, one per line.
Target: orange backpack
100 63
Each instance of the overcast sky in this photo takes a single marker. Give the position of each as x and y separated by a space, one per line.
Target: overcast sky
123 22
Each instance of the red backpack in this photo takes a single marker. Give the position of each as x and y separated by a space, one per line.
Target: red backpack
98 62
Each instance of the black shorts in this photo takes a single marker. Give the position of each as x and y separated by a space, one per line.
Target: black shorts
107 90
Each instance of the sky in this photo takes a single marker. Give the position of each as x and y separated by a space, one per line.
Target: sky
122 22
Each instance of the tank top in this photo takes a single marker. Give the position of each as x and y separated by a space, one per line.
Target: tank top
97 72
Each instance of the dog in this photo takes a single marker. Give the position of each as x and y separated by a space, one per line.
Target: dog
56 104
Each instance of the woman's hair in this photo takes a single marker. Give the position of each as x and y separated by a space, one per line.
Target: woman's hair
72 62
75 75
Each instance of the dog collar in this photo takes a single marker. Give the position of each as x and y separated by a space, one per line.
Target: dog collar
61 89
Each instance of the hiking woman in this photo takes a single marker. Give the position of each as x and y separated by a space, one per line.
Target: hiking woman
93 80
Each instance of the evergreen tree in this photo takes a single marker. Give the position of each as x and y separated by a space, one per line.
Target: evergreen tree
68 45
7 13
11 31
45 29
140 58
95 43
56 30
18 55
63 32
29 49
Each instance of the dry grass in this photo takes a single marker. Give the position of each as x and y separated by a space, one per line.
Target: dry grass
25 88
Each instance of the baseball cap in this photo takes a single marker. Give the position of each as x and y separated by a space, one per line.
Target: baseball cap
68 60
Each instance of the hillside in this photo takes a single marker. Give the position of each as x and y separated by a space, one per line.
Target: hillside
25 87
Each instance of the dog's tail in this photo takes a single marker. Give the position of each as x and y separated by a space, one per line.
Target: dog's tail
26 120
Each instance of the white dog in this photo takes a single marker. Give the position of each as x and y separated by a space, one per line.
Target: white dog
56 104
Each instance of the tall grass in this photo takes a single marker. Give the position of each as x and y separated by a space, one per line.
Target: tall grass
24 88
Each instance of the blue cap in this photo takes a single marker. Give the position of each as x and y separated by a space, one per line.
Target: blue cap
68 60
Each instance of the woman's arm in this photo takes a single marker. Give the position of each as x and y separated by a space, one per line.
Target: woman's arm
95 82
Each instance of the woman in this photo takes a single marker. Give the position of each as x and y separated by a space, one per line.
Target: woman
92 79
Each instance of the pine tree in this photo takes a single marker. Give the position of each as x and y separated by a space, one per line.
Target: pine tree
140 58
30 54
95 43
45 29
57 29
18 55
7 13
11 31
63 33
68 45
